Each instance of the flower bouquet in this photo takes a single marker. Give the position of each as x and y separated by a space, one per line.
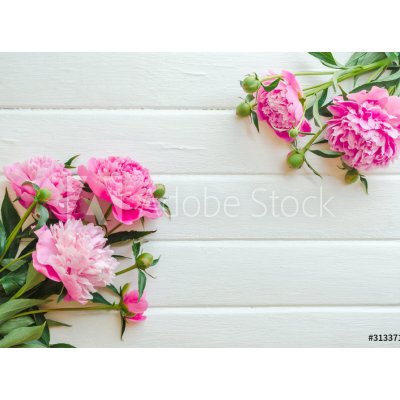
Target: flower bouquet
359 125
62 248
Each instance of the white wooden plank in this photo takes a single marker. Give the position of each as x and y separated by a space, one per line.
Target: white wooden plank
244 273
218 207
244 327
168 142
130 80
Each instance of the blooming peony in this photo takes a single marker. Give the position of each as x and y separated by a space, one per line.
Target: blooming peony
74 254
47 174
125 184
281 107
135 307
366 128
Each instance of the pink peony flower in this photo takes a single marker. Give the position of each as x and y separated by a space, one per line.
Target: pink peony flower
366 128
48 174
125 184
135 307
74 254
281 107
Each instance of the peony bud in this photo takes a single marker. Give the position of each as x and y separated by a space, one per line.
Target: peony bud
293 133
160 191
351 176
243 109
145 260
295 159
250 84
42 195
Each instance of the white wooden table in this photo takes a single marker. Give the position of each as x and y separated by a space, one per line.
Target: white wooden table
328 280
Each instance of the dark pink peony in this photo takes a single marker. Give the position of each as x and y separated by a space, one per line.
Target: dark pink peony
125 184
134 306
366 128
281 108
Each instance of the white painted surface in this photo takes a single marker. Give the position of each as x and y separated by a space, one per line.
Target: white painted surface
328 280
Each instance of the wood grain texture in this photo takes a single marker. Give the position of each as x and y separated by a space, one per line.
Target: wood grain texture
167 141
283 279
241 327
136 80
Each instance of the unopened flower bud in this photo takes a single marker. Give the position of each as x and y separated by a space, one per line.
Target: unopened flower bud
160 191
293 133
42 195
145 260
250 84
295 159
243 109
351 176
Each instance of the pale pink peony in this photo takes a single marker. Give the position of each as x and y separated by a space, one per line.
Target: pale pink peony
281 107
134 306
366 128
65 200
125 184
75 254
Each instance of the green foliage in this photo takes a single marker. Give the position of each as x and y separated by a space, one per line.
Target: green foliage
119 237
10 219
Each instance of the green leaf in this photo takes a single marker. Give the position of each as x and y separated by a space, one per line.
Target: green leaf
355 59
34 344
136 249
326 59
272 85
98 298
165 208
14 264
68 163
62 346
309 112
327 153
364 182
15 323
113 289
43 216
155 262
316 115
127 235
45 337
384 81
15 306
22 335
29 247
3 237
51 323
10 219
33 278
13 281
312 169
249 98
141 283
254 119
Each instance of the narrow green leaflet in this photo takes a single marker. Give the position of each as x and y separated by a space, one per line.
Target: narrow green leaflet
254 118
13 281
10 220
62 346
136 249
127 235
43 216
15 323
33 278
312 169
327 153
355 59
15 306
364 182
51 323
13 264
326 59
3 237
141 283
98 298
316 115
321 101
68 163
166 209
384 81
272 85
22 335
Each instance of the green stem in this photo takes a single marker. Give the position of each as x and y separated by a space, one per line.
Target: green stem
108 212
14 261
313 139
302 73
17 228
358 70
47 310
123 271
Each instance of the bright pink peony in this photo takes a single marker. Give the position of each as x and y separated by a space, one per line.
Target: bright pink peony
366 128
125 184
74 254
281 108
48 174
135 307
